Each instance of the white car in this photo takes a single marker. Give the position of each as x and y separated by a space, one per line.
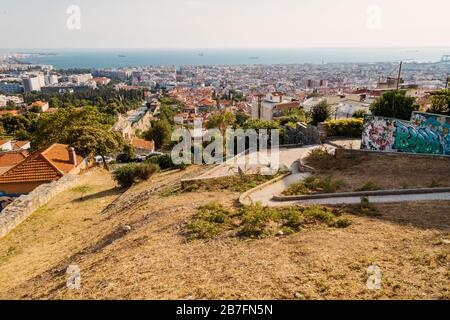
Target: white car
99 159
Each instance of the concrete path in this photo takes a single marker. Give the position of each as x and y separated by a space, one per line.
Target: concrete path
266 193
287 159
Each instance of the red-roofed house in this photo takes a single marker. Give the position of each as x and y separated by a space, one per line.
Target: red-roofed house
41 167
143 147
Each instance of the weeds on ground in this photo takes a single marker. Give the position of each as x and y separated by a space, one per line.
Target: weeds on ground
365 208
370 186
435 184
238 183
323 159
256 221
314 185
9 253
83 189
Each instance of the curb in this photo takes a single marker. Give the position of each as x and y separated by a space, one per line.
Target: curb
245 195
280 198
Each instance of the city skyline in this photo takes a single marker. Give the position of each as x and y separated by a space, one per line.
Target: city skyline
184 24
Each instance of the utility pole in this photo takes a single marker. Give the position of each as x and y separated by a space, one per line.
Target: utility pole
399 75
446 82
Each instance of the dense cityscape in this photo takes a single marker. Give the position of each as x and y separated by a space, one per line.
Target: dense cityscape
214 152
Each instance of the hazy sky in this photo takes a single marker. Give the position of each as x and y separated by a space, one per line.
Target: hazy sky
225 23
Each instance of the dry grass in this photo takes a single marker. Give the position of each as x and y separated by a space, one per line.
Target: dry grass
371 172
152 259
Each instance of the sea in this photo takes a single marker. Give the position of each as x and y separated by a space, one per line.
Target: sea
113 58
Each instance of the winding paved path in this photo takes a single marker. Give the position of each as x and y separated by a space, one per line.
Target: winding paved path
266 193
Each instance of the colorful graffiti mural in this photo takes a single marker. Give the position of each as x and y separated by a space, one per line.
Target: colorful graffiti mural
425 133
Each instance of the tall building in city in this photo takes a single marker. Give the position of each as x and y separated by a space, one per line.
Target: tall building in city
32 83
51 79
10 87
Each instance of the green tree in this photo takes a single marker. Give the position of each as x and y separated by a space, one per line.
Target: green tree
98 140
258 125
394 104
320 112
10 105
54 102
14 124
241 118
221 120
160 132
55 127
440 102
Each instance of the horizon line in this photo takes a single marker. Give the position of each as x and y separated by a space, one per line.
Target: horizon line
230 48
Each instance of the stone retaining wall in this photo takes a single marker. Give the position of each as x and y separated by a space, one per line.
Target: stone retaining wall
21 208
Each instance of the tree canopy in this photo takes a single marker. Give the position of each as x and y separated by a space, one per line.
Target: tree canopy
440 102
320 112
160 132
394 104
221 120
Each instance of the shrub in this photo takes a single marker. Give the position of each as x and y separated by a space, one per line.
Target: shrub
256 220
203 230
367 209
314 185
320 112
165 162
435 184
209 221
345 128
370 186
130 174
342 223
359 113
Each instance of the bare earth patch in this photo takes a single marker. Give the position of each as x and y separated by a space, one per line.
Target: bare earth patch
132 247
383 172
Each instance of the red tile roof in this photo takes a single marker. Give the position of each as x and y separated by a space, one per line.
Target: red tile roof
46 165
287 105
3 142
11 112
143 144
20 144
9 159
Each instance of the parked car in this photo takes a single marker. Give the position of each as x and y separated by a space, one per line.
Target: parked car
99 159
154 154
140 159
123 158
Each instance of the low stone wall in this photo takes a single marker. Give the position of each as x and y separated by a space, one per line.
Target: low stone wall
349 153
21 208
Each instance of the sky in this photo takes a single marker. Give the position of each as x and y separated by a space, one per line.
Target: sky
34 24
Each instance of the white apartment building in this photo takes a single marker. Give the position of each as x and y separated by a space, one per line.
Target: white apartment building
32 83
81 78
51 79
272 105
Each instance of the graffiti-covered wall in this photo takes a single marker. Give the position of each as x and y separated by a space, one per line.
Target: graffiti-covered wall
425 133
